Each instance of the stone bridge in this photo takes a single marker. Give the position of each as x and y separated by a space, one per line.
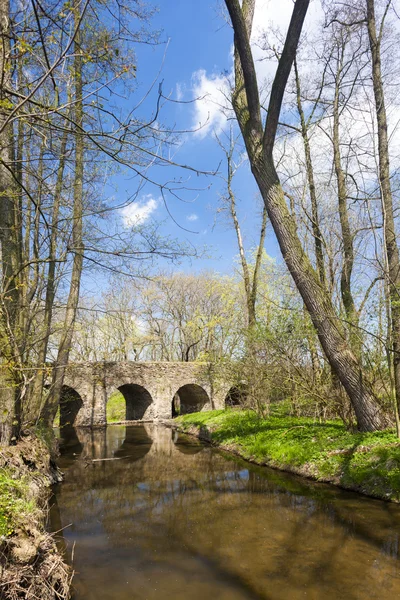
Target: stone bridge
152 390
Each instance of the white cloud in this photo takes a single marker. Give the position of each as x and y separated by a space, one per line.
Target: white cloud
212 90
211 93
192 217
137 213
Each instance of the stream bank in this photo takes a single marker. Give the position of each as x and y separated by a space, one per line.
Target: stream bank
31 566
367 463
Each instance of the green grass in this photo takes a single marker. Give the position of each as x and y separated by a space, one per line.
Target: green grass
16 506
367 462
116 408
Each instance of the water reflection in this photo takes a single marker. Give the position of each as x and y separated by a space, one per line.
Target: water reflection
172 519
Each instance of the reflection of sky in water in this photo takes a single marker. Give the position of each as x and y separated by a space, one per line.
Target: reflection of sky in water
162 523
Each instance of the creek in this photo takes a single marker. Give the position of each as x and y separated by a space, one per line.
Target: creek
170 518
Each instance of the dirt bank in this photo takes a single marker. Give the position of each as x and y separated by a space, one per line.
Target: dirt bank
31 566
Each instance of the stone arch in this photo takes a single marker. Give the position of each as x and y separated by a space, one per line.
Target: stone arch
189 398
70 405
138 401
236 395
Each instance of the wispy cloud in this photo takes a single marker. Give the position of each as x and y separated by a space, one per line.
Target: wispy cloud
179 92
138 213
210 107
192 217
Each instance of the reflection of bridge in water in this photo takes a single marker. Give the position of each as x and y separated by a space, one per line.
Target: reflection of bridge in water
152 391
123 441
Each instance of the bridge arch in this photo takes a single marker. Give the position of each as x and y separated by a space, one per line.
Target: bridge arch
236 395
138 401
189 398
70 404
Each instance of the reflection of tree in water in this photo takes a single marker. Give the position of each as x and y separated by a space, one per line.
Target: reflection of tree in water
268 532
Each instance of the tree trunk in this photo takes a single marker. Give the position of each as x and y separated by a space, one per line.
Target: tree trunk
53 399
391 247
10 376
318 304
317 234
33 409
347 236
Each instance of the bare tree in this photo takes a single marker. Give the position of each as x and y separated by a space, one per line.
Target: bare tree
250 278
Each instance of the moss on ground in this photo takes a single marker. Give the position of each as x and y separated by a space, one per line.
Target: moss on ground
365 462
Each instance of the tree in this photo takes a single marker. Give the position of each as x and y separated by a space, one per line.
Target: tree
250 279
259 143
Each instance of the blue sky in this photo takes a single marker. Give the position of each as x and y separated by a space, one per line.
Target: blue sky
198 55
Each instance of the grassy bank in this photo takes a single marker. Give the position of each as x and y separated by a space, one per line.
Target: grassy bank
368 463
31 567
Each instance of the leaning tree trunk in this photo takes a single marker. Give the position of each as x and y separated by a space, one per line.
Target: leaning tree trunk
317 301
259 144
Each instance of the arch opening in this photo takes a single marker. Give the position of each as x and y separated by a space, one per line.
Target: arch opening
236 396
70 405
131 402
188 399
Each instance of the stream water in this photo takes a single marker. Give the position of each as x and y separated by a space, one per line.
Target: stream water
171 519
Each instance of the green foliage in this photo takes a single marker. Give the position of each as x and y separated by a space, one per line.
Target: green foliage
15 505
116 408
367 462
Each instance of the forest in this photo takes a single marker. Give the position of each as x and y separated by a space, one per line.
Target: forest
310 114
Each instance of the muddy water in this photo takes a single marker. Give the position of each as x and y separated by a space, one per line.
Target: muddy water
172 519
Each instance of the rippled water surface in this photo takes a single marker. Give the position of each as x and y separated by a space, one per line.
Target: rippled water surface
172 519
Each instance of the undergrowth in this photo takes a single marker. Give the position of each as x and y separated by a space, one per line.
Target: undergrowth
16 506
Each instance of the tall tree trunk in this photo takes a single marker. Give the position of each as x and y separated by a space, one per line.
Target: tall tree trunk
391 247
33 408
259 145
52 401
10 372
250 281
317 234
347 236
